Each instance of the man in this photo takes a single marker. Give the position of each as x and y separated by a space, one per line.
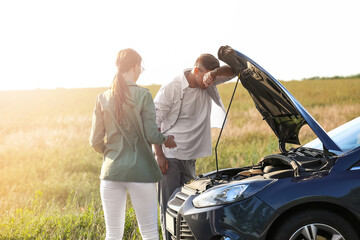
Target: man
187 108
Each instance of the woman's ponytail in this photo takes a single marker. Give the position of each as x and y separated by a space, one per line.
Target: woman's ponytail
126 59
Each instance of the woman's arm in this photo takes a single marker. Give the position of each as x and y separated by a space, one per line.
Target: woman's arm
97 134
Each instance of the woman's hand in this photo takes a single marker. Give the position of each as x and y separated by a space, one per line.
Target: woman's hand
170 142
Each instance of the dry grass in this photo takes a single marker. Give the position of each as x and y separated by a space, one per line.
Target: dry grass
44 151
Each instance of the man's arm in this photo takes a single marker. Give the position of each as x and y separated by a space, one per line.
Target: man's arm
218 75
163 103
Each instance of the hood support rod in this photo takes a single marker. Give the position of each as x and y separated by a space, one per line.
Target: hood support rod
222 127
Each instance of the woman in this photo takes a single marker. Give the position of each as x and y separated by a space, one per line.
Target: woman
125 116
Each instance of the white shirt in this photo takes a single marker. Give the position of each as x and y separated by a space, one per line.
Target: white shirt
188 114
192 130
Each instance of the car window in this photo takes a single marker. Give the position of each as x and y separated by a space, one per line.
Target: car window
347 136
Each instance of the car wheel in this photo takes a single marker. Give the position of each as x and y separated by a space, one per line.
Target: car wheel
315 224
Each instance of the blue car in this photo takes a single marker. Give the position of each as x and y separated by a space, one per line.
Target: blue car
309 192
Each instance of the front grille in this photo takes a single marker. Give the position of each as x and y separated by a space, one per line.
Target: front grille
174 206
185 232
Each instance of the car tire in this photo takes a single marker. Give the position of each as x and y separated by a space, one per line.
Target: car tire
314 224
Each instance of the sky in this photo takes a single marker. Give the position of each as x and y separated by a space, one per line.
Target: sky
73 43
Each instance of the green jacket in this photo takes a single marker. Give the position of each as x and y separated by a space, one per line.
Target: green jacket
128 155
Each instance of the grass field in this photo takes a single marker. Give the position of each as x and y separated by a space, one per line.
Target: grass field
49 175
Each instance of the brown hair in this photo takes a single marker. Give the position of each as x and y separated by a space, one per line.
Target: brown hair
208 61
126 59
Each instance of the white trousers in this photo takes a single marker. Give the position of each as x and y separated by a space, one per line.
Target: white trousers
144 200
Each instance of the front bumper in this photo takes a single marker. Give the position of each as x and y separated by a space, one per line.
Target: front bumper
247 219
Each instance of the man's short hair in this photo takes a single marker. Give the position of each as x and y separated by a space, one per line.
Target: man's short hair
208 61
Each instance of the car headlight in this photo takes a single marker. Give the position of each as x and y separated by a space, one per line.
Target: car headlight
228 193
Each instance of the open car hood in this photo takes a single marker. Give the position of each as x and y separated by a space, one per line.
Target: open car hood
284 114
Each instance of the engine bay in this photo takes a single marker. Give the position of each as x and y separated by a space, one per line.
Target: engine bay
296 163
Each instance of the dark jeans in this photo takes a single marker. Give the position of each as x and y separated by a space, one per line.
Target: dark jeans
180 172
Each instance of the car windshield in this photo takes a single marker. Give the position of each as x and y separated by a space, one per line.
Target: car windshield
347 136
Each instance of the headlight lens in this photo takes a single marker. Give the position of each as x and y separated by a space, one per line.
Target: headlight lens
228 193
